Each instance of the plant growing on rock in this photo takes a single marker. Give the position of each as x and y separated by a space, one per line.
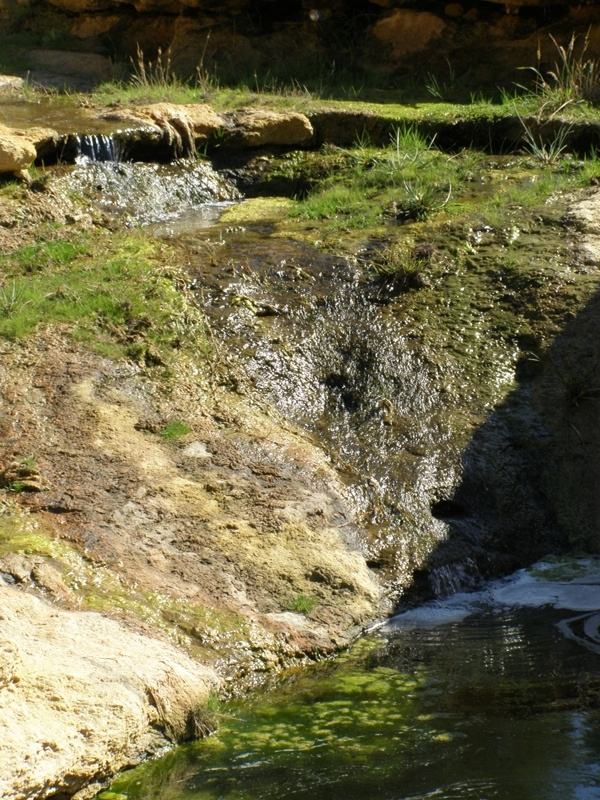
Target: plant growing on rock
400 267
301 604
547 151
418 200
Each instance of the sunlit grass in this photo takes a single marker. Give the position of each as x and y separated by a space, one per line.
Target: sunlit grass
115 293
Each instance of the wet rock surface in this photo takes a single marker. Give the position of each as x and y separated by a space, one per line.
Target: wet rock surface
261 506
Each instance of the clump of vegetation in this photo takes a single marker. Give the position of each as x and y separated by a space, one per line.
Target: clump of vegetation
175 430
21 476
407 181
419 200
547 150
574 78
301 604
112 292
400 267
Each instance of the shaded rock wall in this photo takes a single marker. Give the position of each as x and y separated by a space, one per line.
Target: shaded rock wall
477 41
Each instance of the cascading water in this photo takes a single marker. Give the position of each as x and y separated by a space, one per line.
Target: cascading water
145 193
385 393
454 698
98 148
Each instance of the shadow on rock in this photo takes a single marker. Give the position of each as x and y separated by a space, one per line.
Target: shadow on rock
530 478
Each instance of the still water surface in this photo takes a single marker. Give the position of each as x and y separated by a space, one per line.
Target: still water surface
487 695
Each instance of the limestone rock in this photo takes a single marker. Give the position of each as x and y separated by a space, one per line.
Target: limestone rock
179 128
10 82
82 696
16 152
407 31
257 128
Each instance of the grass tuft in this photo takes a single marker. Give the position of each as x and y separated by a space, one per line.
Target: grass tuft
113 292
175 430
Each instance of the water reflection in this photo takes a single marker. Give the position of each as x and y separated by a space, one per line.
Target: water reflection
497 704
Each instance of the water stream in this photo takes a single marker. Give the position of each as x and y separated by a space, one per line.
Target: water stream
492 695
486 696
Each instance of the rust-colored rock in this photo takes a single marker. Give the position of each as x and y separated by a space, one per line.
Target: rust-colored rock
82 6
408 32
454 10
88 25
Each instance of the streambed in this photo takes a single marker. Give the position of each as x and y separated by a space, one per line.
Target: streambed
487 695
427 402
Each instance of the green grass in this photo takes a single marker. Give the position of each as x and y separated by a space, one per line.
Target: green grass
412 181
408 180
116 293
174 430
301 604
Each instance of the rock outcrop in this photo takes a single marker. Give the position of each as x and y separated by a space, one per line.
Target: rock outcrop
17 153
82 696
258 128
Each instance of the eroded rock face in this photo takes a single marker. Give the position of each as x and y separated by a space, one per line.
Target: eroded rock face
82 696
177 128
180 129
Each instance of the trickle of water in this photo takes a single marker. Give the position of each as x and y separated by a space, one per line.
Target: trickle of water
147 192
98 148
456 577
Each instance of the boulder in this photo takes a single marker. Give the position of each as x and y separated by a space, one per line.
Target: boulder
408 32
20 148
82 696
258 128
17 153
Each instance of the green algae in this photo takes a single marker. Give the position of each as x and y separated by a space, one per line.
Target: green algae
256 209
564 568
423 714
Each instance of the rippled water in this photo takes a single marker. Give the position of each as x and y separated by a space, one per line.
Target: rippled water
488 695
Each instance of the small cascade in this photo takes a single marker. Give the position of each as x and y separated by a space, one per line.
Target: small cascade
146 193
97 148
459 576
